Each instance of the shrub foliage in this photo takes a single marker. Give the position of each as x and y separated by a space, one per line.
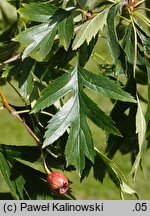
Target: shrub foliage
45 46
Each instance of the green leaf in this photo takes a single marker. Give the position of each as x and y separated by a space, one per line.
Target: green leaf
26 84
36 166
57 89
80 143
8 14
22 152
111 32
145 40
104 86
86 51
73 114
128 45
42 11
140 130
37 40
5 168
60 122
20 182
116 175
128 190
125 122
97 115
65 32
90 29
89 4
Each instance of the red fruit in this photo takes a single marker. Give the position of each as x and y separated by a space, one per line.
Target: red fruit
58 182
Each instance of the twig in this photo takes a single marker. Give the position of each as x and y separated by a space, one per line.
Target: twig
12 59
7 106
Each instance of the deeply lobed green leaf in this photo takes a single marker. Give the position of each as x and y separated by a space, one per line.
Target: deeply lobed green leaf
73 113
38 40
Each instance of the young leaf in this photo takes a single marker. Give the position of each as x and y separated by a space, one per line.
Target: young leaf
90 29
140 130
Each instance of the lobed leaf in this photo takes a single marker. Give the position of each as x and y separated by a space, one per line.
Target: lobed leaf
38 39
73 115
128 47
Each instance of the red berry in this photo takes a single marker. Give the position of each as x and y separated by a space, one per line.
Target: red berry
58 182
